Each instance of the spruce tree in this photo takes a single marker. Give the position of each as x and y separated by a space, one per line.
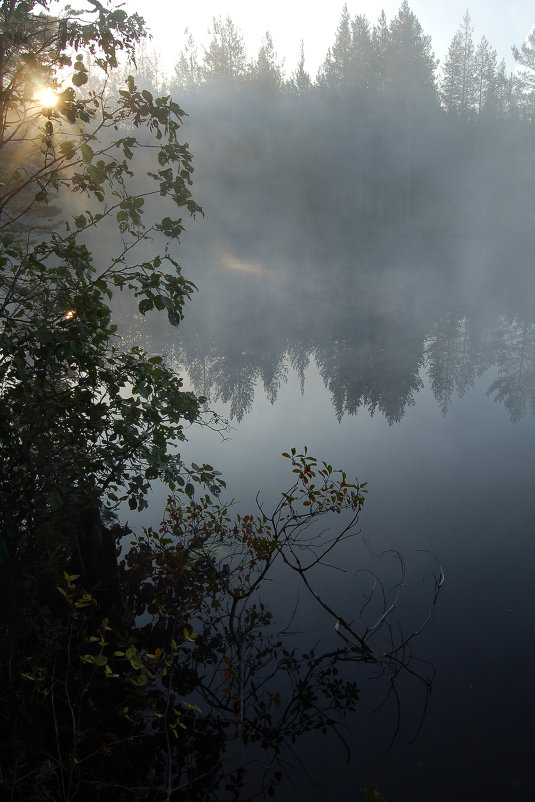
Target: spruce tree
381 40
225 58
362 54
266 72
300 82
459 86
410 76
485 78
187 71
336 71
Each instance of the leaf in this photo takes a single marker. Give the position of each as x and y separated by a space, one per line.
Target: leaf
80 221
96 173
68 148
145 305
79 78
87 153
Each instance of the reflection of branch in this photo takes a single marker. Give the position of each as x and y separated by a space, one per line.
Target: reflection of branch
340 621
206 569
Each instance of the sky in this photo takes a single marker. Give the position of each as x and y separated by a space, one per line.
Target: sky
503 22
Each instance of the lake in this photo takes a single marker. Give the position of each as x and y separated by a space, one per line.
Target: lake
419 379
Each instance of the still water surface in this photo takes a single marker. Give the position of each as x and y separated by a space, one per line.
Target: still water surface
423 385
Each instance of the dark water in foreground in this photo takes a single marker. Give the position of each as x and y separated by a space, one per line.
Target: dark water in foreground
424 387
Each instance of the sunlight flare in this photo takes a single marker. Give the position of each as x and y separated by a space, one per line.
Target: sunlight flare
46 97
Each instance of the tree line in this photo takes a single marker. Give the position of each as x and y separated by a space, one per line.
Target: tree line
393 59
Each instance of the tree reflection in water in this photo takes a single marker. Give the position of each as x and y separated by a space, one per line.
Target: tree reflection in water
370 356
188 689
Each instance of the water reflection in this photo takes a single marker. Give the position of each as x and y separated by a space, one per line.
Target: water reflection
376 336
395 338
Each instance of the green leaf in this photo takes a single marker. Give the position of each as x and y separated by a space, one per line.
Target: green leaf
145 305
68 148
87 153
79 78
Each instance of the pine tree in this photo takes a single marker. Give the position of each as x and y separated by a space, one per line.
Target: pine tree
300 82
187 73
485 61
266 72
410 75
336 71
525 57
467 75
362 54
502 92
225 59
459 87
451 80
525 79
381 42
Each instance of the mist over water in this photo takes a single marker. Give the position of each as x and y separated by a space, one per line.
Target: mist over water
366 288
403 351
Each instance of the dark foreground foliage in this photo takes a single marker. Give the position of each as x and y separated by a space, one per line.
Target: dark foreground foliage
183 686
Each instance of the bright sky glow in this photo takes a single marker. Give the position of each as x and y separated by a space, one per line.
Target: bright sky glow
46 97
503 22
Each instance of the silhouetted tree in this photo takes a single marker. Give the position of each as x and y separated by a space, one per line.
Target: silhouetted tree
506 99
485 61
524 81
266 72
300 82
459 86
410 64
381 41
363 55
337 71
525 58
225 58
187 72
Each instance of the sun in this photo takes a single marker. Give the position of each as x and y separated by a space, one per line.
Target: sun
46 97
